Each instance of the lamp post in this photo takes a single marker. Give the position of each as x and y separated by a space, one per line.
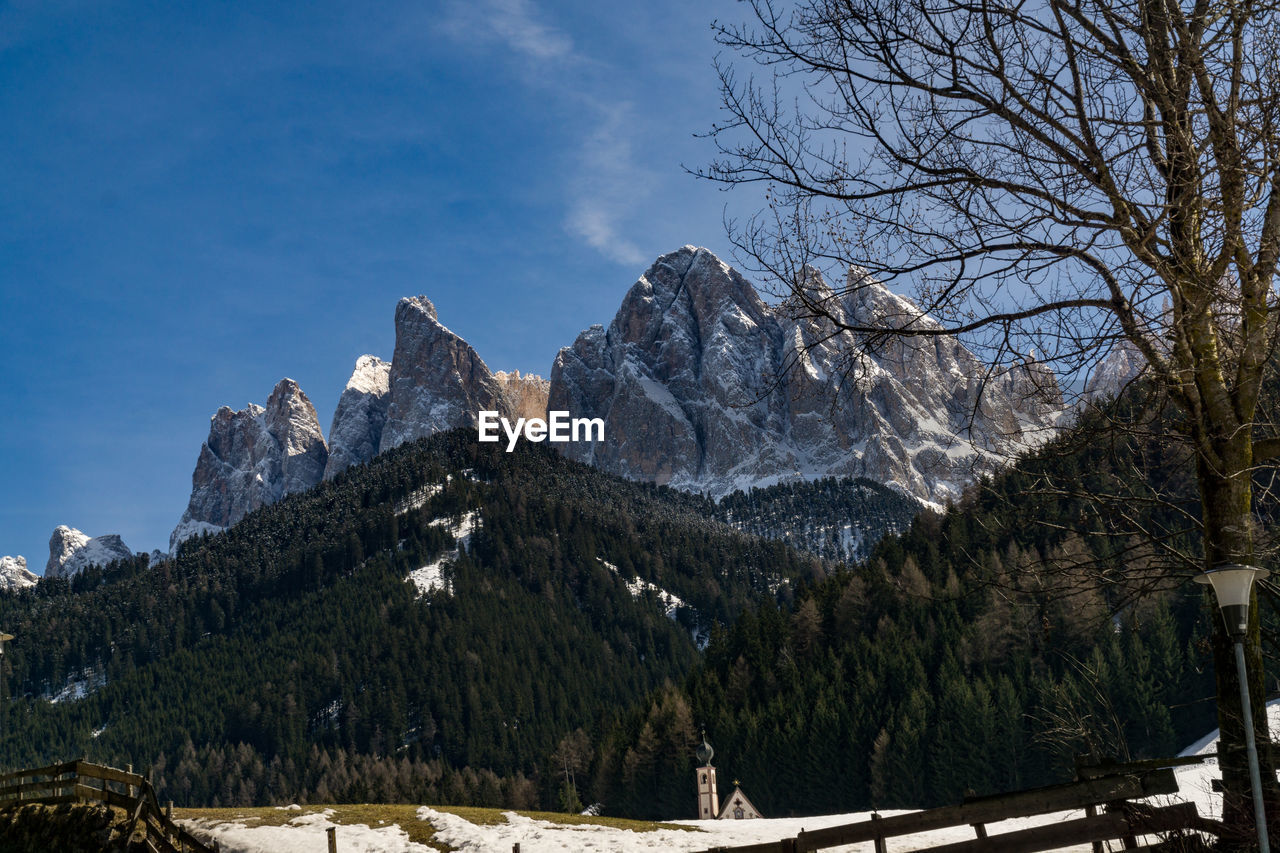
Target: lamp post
4 706
1233 586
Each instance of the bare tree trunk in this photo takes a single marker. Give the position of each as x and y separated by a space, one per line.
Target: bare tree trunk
1228 537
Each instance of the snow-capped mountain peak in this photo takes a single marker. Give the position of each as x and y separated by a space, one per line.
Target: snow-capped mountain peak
71 551
15 575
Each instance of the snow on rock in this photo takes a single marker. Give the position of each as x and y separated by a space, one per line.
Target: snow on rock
15 575
437 381
253 457
71 551
431 577
357 425
686 379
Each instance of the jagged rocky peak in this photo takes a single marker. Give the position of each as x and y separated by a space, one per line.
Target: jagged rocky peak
526 394
71 551
253 457
437 381
1122 364
704 386
15 575
357 425
292 421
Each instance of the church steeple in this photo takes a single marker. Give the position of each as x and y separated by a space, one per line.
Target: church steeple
708 796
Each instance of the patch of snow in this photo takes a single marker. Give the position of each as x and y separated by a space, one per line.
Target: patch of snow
638 587
78 686
431 577
418 498
304 834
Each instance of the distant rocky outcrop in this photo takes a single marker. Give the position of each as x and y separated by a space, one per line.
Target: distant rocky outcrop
358 421
253 457
1119 367
71 551
437 380
526 395
705 387
15 575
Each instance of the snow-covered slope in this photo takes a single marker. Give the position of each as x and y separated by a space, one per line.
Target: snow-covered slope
70 551
705 387
15 575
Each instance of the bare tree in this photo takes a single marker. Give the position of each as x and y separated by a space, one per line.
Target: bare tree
1067 175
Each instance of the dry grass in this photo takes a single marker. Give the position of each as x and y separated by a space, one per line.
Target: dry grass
406 817
482 817
369 814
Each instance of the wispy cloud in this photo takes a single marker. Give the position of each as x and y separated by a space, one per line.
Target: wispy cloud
607 187
516 24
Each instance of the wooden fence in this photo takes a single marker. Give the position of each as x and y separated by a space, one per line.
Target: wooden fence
1121 820
150 827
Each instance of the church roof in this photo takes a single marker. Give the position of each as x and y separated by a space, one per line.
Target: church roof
738 807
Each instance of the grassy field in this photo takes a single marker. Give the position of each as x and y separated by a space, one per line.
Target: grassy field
406 817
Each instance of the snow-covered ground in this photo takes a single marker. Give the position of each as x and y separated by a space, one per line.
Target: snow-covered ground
307 833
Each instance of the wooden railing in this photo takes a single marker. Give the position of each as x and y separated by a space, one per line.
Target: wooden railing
1122 819
80 781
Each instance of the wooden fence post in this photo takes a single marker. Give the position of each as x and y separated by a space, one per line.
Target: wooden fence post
515 848
333 839
881 846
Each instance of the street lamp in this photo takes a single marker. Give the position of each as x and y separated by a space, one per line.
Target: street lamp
1233 586
4 707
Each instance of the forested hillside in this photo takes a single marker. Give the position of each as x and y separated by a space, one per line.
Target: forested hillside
289 658
838 519
981 650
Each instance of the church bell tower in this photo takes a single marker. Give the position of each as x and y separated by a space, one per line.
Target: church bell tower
708 796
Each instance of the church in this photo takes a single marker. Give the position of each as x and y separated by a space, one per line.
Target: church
736 807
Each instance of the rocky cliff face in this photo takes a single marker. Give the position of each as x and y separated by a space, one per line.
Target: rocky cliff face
437 381
253 457
15 575
526 395
704 387
358 421
71 551
1114 372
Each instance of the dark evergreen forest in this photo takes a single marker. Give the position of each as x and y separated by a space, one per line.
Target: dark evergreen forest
289 660
981 651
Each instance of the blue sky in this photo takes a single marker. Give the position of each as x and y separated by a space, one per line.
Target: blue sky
198 199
